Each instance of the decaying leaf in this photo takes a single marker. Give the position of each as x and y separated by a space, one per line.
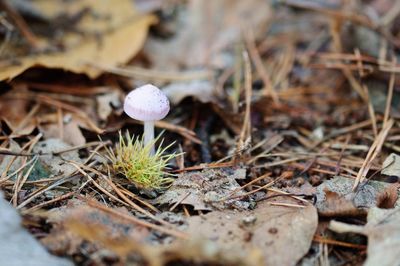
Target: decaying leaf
106 32
336 204
200 90
212 26
383 231
115 236
77 225
204 190
271 229
76 222
336 198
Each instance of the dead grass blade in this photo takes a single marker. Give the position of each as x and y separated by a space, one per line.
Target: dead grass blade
372 153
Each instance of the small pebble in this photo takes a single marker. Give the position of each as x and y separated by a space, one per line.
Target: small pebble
249 220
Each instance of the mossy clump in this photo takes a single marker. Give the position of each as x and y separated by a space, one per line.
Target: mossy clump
132 159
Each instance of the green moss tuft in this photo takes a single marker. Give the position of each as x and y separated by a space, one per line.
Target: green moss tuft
133 160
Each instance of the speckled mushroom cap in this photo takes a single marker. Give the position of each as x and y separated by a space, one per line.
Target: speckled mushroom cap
146 103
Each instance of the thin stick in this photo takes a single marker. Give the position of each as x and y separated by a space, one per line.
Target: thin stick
204 166
255 190
46 203
245 133
334 242
389 95
286 204
256 58
20 23
179 201
150 74
83 146
372 153
60 181
121 195
19 182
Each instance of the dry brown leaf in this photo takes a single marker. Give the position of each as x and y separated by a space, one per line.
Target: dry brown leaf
211 27
77 222
272 229
339 205
109 33
335 197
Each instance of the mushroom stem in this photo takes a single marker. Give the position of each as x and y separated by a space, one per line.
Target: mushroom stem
149 135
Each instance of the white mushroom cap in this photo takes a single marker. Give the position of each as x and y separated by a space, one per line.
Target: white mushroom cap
146 103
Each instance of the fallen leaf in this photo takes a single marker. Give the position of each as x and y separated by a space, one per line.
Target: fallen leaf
76 222
339 205
201 90
204 190
383 231
108 33
271 229
335 197
211 28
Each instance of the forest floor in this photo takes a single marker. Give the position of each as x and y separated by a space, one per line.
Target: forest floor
281 141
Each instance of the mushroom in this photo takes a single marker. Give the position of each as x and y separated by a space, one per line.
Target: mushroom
148 104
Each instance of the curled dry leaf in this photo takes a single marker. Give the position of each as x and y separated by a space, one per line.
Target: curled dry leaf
106 32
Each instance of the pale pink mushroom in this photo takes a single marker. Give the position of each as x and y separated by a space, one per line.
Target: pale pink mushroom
148 104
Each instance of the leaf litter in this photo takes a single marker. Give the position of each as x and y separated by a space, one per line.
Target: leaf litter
267 229
206 190
284 118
